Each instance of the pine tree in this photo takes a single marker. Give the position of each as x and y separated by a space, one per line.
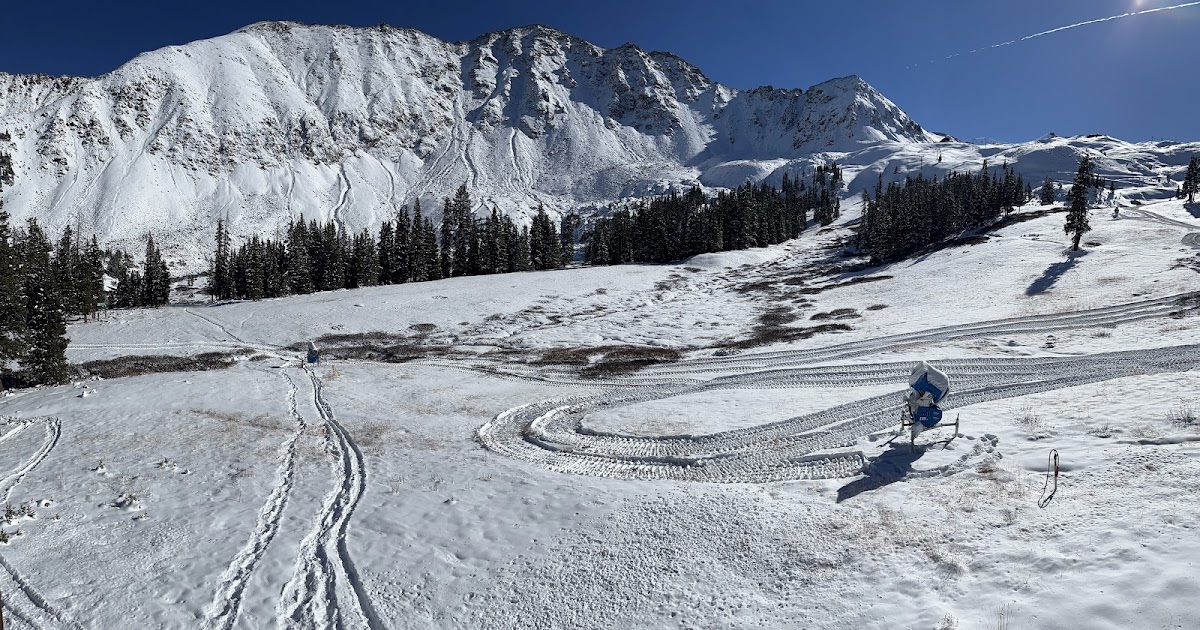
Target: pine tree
401 248
366 260
446 241
156 279
66 263
566 231
221 282
1191 180
544 245
45 360
433 267
92 278
1048 194
387 245
12 298
419 255
1077 217
462 232
299 270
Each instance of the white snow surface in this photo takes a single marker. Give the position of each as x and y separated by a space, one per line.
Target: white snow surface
457 491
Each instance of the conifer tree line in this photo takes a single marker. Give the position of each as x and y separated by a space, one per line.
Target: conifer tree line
150 287
904 217
1049 192
676 226
408 248
42 284
1191 181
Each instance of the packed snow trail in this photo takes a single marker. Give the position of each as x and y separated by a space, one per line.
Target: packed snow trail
554 433
1175 305
223 612
326 590
22 601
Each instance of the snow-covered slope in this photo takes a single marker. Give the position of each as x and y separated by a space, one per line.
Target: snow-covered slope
280 120
457 490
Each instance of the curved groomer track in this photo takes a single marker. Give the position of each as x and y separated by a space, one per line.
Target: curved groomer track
555 434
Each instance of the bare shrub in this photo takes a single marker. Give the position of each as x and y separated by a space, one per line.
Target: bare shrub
1033 424
1183 414
153 364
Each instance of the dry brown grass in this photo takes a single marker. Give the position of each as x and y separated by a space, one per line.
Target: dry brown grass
600 361
152 364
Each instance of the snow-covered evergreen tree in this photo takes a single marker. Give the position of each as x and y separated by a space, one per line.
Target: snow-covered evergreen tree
1077 216
45 358
12 298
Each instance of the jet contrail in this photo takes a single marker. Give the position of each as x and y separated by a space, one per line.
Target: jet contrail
1071 26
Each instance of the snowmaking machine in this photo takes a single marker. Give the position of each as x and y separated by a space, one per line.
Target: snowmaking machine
928 386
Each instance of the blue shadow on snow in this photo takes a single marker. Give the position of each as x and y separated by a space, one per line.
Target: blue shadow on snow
1052 273
891 466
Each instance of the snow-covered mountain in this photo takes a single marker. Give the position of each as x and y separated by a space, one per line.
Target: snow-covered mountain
282 120
279 120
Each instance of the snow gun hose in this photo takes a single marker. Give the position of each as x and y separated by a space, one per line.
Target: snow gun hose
1051 462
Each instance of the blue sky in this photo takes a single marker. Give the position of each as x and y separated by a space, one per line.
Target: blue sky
1136 78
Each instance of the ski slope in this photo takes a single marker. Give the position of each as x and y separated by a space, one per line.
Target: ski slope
492 485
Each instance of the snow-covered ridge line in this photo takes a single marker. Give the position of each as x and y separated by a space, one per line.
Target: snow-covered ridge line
281 120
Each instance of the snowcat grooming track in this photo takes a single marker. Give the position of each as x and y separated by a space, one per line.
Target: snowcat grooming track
553 434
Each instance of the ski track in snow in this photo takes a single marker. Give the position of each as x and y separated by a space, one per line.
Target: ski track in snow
22 601
53 431
553 433
223 611
312 598
243 343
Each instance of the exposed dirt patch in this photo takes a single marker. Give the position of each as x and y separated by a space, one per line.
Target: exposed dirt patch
766 335
837 313
600 361
847 283
777 316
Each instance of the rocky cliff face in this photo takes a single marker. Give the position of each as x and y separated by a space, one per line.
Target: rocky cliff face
280 120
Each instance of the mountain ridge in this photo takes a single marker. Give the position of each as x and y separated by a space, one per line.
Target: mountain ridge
280 120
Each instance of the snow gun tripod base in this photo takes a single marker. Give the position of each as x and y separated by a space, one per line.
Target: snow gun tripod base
907 421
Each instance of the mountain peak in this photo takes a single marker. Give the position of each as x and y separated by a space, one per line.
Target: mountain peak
283 119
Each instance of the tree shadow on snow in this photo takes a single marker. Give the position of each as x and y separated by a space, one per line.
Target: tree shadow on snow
891 466
1193 209
1052 273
